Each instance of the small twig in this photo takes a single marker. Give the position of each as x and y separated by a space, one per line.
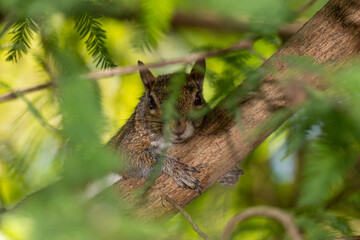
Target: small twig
284 218
245 44
305 7
188 218
15 94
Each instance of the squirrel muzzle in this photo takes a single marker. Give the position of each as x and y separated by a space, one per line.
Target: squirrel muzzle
181 130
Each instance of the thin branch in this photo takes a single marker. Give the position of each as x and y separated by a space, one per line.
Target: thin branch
15 94
305 7
214 22
245 44
188 218
284 218
204 19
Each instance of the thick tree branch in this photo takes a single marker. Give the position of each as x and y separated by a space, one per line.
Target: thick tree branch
330 37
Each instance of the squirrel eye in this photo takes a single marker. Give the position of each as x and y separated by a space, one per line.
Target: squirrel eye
152 104
198 99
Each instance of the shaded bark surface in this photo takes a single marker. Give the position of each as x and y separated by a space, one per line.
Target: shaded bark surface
331 37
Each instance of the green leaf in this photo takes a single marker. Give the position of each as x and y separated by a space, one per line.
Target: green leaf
312 229
339 223
327 163
23 34
90 28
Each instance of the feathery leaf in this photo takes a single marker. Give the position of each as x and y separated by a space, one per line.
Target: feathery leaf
89 27
23 34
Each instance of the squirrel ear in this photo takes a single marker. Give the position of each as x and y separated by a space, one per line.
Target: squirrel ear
198 72
146 76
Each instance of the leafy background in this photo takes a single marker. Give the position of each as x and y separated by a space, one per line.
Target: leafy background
51 141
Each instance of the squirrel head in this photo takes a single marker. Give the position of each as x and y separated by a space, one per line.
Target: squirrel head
190 99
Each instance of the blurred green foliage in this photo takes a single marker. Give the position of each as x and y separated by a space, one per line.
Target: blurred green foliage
52 142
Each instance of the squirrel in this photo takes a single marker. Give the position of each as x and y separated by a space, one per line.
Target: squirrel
141 138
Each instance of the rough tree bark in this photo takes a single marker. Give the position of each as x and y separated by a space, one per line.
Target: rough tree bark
331 37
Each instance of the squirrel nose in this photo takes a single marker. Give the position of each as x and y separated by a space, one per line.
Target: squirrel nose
178 127
178 131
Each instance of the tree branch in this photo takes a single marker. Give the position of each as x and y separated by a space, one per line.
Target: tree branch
209 21
214 22
330 37
17 93
245 44
284 218
206 20
188 218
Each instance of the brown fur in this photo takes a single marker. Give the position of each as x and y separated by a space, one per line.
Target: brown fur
138 137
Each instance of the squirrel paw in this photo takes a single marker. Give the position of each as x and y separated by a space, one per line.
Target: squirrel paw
230 178
182 175
190 182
